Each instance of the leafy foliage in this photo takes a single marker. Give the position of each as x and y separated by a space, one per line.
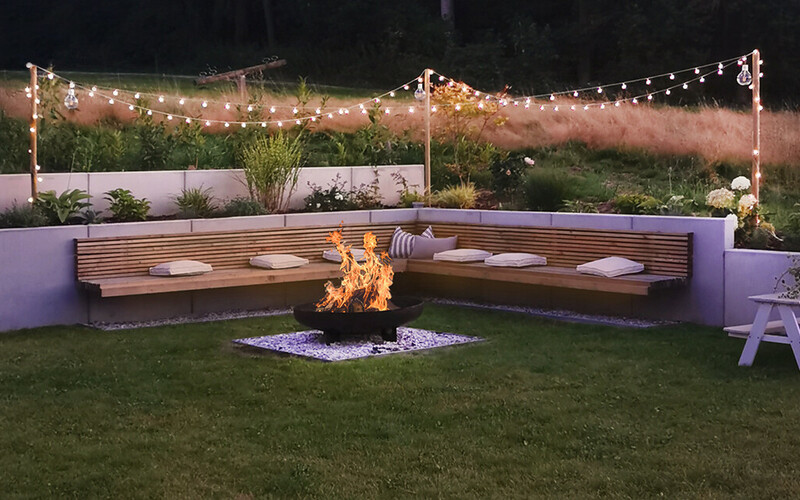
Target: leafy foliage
26 215
459 196
271 167
64 208
238 207
334 198
196 202
547 190
126 207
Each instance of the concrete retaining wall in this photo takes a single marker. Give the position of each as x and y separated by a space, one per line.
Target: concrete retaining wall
37 269
751 272
162 187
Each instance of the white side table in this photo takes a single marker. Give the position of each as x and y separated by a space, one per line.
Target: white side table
786 309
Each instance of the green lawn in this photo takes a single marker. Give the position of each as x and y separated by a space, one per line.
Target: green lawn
541 409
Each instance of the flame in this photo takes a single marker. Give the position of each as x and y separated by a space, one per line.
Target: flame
364 287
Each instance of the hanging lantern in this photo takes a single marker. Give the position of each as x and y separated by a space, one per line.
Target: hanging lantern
419 94
744 78
71 101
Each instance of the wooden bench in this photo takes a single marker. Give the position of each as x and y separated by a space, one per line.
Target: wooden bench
667 257
119 266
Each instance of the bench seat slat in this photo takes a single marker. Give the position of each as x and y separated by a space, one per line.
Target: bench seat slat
634 284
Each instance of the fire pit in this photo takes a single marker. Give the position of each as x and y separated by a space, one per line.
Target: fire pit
360 304
335 325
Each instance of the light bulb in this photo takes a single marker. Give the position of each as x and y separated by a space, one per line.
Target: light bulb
552 97
391 94
249 109
294 111
685 86
599 90
297 122
188 120
263 124
244 125
318 111
71 101
280 124
671 76
149 112
648 81
697 71
624 86
744 78
30 199
116 92
208 123
111 101
405 87
668 92
272 109
575 94
182 101
227 124
130 107
227 105
169 117
204 104
419 94
411 109
136 95
161 98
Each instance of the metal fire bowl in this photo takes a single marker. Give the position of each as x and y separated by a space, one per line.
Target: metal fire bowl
385 323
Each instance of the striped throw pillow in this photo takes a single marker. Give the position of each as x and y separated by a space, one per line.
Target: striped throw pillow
403 243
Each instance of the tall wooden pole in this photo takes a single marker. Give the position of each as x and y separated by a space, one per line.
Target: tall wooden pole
34 131
427 84
756 169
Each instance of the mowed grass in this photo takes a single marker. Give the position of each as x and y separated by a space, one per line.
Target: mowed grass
541 409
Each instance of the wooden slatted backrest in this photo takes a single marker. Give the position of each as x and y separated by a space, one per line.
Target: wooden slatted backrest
134 255
669 254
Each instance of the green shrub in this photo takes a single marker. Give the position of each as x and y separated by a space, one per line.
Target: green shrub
271 168
26 215
333 199
240 207
195 202
636 204
547 190
155 145
459 196
62 209
14 140
127 208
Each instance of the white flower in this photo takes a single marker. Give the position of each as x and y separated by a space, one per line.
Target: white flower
720 198
746 203
338 196
318 205
740 183
529 161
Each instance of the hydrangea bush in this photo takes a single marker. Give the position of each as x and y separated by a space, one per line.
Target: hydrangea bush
753 231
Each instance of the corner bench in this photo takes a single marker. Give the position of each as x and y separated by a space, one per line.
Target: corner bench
118 266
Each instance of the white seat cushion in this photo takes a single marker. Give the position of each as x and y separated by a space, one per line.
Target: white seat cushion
462 255
611 267
278 261
181 268
332 255
403 242
515 260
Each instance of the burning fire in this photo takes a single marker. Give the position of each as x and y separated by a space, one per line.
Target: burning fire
364 287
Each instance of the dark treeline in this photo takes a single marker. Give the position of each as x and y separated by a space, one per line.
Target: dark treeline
530 45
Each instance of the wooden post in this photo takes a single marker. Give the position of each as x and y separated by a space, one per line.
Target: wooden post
756 169
427 84
241 83
34 131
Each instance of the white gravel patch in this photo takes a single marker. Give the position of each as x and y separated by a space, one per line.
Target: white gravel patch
311 344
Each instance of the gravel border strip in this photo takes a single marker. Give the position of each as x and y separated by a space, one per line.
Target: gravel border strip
180 320
556 314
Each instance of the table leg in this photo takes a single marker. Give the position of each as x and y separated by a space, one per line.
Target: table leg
792 330
756 334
